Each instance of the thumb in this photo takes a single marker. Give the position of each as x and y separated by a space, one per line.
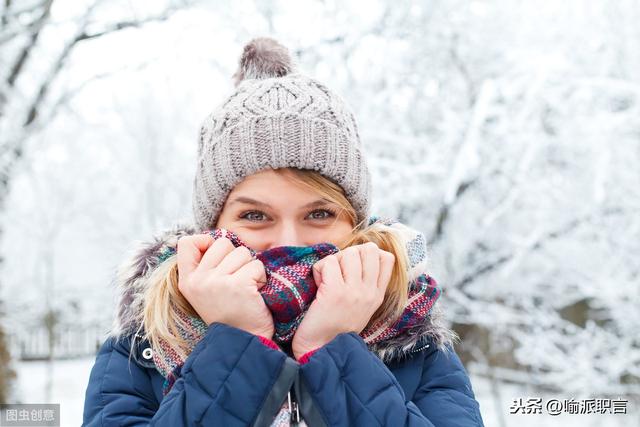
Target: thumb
190 250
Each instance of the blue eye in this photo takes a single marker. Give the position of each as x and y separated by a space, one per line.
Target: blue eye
246 214
258 216
329 213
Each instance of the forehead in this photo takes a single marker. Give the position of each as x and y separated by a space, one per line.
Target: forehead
268 180
271 188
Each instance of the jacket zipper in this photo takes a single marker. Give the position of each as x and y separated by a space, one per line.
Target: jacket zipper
293 407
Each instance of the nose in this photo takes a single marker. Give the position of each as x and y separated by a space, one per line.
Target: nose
288 235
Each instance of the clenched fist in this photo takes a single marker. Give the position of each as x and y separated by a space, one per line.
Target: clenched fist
351 287
221 283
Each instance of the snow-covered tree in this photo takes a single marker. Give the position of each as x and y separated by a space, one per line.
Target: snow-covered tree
507 131
38 39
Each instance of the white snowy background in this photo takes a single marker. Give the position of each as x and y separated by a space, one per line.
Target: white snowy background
507 130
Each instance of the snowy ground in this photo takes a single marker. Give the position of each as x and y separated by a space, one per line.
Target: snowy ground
70 381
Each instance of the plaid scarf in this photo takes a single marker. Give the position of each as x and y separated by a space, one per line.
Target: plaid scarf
290 290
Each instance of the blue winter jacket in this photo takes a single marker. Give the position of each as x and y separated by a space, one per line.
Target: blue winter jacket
232 378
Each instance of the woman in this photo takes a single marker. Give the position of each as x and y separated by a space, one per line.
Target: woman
291 306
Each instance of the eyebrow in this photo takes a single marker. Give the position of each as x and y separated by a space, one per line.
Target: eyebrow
248 200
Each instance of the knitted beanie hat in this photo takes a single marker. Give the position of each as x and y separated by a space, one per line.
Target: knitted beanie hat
277 118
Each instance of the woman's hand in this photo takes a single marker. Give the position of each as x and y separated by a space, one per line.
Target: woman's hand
221 283
351 287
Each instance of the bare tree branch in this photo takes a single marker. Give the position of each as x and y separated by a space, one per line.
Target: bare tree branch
544 239
69 94
12 149
26 51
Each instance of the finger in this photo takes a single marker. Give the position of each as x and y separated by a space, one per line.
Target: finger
189 251
252 272
387 262
351 266
331 272
232 262
370 263
218 250
318 266
316 269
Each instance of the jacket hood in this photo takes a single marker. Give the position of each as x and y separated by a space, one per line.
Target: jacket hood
132 280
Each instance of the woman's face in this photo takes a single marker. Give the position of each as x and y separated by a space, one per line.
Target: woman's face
267 210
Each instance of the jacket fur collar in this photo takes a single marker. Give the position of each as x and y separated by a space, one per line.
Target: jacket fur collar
132 280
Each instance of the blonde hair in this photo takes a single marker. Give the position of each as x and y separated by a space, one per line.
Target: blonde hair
163 300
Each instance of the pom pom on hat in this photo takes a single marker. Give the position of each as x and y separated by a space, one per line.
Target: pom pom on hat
262 58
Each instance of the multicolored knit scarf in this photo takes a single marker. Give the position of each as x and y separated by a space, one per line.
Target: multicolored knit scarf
290 290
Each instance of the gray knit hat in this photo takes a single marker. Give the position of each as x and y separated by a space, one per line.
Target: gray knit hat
277 118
